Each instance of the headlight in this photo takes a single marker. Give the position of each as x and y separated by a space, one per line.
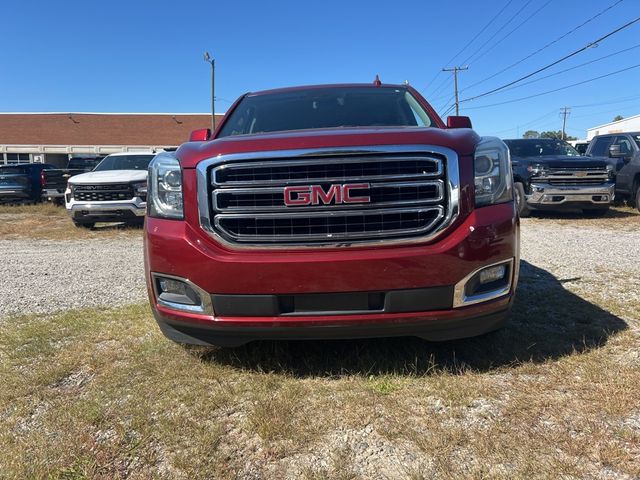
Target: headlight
140 189
536 170
611 171
165 187
492 168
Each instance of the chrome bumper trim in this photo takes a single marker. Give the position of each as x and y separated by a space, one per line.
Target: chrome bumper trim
543 194
461 299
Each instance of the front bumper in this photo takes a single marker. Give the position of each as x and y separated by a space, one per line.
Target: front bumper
7 194
485 237
547 195
107 211
51 193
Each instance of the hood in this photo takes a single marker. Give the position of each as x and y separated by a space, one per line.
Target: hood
109 176
461 140
562 161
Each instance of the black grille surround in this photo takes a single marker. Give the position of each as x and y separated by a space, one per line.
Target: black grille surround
400 194
103 192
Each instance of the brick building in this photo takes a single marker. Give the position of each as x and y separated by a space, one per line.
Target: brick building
55 137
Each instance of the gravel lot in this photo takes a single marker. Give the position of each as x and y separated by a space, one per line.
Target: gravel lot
42 276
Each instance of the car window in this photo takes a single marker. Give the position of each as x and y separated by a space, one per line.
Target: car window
540 147
330 107
124 162
637 139
601 147
625 145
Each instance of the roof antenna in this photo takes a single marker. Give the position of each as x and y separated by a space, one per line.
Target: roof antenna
377 81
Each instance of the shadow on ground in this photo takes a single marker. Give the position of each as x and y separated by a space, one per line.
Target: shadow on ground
613 213
548 322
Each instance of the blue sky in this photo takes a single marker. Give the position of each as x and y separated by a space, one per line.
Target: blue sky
137 56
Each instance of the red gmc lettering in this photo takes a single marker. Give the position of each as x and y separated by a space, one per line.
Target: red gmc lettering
301 197
315 194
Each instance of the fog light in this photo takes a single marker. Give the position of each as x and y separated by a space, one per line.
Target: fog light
484 284
176 291
492 274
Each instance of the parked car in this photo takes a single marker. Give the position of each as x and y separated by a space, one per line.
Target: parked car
22 182
115 191
55 180
580 146
623 150
332 211
549 174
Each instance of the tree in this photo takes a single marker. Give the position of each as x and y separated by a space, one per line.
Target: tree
617 118
557 134
531 134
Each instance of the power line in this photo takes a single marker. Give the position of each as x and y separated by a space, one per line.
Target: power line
570 68
547 45
487 25
556 89
607 102
555 62
511 32
498 31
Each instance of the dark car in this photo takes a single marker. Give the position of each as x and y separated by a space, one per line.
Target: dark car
623 152
22 183
55 180
549 174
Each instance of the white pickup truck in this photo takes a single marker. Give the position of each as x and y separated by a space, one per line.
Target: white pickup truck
115 191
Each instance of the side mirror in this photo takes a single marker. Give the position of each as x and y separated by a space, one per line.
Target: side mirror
200 135
614 152
458 122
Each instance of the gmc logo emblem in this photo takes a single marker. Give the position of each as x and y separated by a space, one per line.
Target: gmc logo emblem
315 194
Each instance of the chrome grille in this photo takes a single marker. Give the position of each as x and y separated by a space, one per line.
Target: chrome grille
404 193
574 176
103 192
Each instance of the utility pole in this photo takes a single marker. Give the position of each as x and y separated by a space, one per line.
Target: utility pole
564 112
455 71
212 61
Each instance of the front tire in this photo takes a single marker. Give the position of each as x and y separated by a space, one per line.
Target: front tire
521 200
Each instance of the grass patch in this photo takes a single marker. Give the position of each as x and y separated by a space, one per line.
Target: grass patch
46 221
101 394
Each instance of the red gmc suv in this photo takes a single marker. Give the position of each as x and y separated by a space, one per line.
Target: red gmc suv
336 211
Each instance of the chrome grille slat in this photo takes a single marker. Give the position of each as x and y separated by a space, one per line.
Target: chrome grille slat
361 228
574 176
410 194
431 168
273 197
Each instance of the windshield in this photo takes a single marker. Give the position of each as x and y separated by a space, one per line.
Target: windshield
80 162
540 148
124 162
329 107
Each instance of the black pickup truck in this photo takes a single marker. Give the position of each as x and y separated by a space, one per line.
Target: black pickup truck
623 152
22 183
549 174
55 180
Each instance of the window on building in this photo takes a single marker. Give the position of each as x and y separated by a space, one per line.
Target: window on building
18 158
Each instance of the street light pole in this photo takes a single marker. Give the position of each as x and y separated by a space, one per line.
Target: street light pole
212 61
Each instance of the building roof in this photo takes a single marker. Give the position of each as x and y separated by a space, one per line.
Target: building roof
57 128
626 119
